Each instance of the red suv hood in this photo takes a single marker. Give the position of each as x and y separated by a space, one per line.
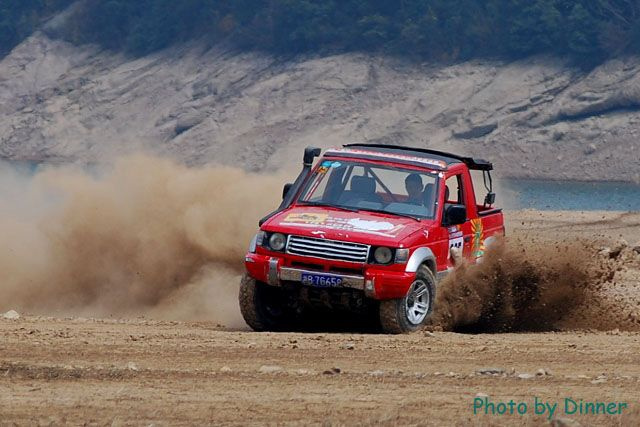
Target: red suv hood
336 224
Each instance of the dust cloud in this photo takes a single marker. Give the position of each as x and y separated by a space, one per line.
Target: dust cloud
526 285
143 236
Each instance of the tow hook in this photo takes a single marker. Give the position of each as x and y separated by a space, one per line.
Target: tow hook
272 275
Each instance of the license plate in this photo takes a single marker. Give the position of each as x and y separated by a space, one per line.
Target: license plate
321 280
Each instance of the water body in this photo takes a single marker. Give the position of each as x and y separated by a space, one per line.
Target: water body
514 193
568 195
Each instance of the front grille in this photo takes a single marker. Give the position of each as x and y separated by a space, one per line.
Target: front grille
327 249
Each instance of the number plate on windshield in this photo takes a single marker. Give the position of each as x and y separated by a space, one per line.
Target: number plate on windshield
321 280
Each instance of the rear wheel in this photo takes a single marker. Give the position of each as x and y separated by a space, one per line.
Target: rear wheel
409 313
263 307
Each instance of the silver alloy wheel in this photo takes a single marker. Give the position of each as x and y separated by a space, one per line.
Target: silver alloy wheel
417 302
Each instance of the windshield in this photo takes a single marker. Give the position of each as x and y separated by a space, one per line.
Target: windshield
367 186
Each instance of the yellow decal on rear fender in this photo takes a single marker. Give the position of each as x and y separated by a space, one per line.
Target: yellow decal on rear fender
477 245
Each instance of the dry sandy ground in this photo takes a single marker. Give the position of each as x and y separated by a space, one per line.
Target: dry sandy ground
142 372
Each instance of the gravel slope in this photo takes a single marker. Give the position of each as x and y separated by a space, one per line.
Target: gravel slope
536 118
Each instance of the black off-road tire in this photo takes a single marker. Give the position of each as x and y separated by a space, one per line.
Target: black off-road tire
262 306
394 316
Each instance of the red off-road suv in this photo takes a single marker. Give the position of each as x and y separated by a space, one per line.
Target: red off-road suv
370 228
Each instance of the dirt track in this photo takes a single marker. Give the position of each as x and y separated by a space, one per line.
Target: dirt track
141 372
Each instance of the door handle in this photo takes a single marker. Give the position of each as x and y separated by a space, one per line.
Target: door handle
467 238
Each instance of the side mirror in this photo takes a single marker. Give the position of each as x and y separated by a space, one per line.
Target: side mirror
455 214
490 199
286 189
310 153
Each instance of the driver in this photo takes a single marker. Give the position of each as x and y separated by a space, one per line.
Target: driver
413 184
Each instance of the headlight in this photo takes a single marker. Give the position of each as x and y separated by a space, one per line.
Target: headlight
383 255
277 241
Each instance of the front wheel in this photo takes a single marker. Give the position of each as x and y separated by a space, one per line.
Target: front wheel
409 313
263 307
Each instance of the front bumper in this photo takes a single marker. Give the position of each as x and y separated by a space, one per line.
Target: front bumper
376 282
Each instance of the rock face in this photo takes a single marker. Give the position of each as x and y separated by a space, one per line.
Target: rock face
60 102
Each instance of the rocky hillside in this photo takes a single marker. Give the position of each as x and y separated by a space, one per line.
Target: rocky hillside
536 118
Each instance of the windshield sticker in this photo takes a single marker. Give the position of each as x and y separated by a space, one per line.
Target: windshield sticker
336 164
415 159
326 163
381 228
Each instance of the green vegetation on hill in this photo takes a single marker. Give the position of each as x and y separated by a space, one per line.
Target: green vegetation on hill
441 30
